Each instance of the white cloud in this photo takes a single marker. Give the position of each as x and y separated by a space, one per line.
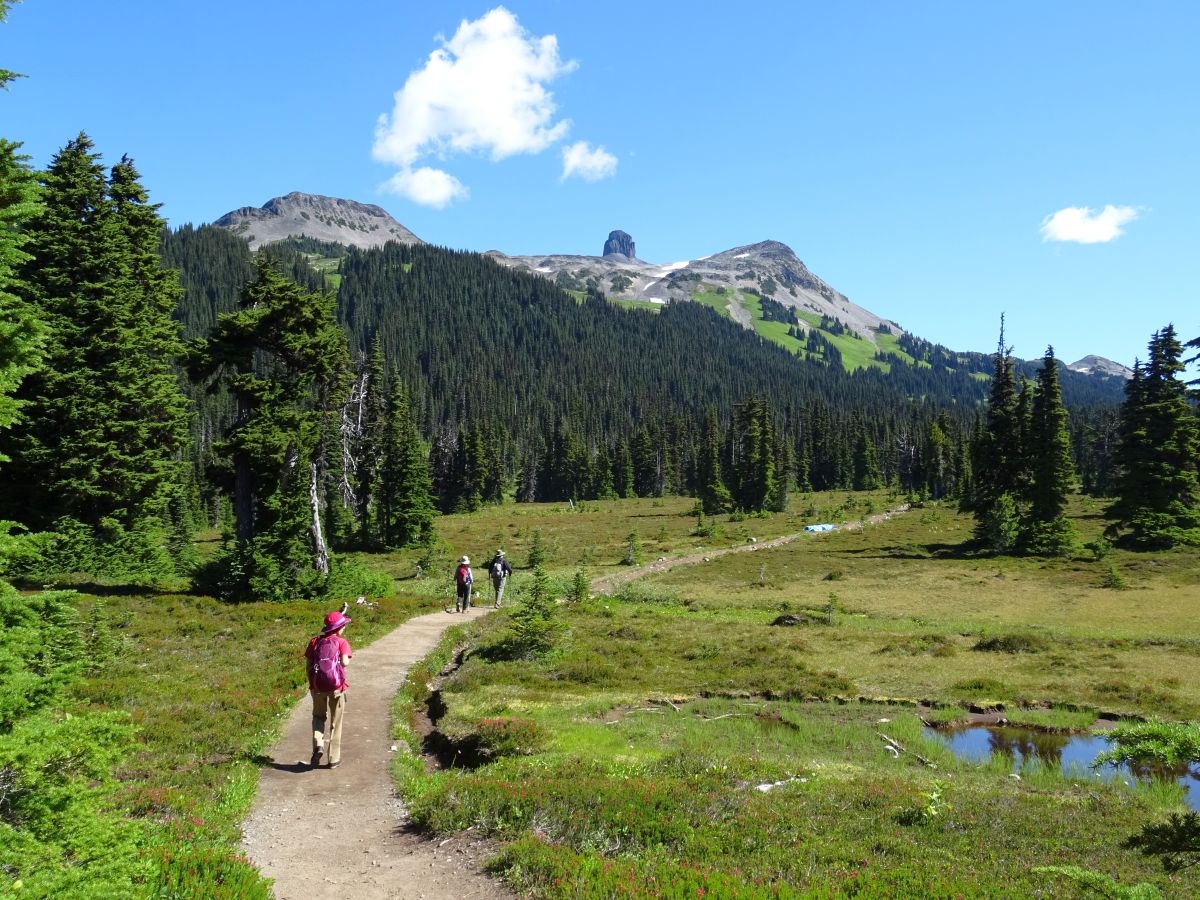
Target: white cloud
429 187
1081 225
590 165
483 91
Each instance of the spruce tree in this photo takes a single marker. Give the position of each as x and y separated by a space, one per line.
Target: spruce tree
867 476
777 497
939 460
1158 492
6 75
406 508
101 456
1052 469
753 456
713 494
21 332
623 470
998 457
366 421
284 359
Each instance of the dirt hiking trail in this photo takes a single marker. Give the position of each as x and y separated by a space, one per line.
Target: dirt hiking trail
610 583
343 832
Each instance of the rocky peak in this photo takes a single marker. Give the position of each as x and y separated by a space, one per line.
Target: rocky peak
311 215
619 244
1099 365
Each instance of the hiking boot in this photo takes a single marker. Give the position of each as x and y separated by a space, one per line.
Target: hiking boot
315 758
334 765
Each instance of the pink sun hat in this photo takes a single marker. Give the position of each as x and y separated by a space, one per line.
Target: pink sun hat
334 621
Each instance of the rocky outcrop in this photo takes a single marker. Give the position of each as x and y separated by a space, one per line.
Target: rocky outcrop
768 269
619 244
311 215
1098 365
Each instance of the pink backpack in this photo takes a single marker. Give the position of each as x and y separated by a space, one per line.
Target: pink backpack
327 667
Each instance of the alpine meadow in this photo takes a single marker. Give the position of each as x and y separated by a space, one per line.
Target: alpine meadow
678 580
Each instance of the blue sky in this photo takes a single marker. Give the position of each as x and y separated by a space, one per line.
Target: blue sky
939 163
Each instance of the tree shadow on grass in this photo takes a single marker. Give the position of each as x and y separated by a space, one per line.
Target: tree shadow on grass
86 587
917 551
1175 842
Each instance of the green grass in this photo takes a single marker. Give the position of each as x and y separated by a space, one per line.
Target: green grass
708 296
890 343
664 707
631 303
857 352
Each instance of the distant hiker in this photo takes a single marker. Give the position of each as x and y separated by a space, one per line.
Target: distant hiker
326 659
462 585
499 569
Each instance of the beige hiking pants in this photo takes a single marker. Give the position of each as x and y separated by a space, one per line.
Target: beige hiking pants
328 707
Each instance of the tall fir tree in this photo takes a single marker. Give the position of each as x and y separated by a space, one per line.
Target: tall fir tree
406 507
21 332
284 359
713 494
367 421
753 455
1158 490
867 476
623 470
5 74
998 457
1047 531
102 454
939 459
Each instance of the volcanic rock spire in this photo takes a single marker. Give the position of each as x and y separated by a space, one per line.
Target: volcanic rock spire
619 244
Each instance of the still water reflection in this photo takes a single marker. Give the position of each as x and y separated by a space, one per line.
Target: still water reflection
978 743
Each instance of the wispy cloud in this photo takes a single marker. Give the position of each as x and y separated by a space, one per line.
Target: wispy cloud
483 91
580 159
1080 225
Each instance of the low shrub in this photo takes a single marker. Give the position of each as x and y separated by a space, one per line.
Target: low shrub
209 872
981 686
1156 742
505 736
1013 642
641 592
1114 580
921 645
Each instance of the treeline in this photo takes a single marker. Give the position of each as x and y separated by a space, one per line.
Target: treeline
523 391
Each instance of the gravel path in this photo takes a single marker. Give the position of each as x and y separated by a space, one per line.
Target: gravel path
343 832
610 583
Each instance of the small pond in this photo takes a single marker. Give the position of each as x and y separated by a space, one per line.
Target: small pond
979 743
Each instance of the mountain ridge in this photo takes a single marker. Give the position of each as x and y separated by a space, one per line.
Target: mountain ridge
740 278
330 219
740 281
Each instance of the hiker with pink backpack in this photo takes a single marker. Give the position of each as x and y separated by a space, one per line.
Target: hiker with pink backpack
326 659
463 580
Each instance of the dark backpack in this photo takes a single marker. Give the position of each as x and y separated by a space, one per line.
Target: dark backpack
327 667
